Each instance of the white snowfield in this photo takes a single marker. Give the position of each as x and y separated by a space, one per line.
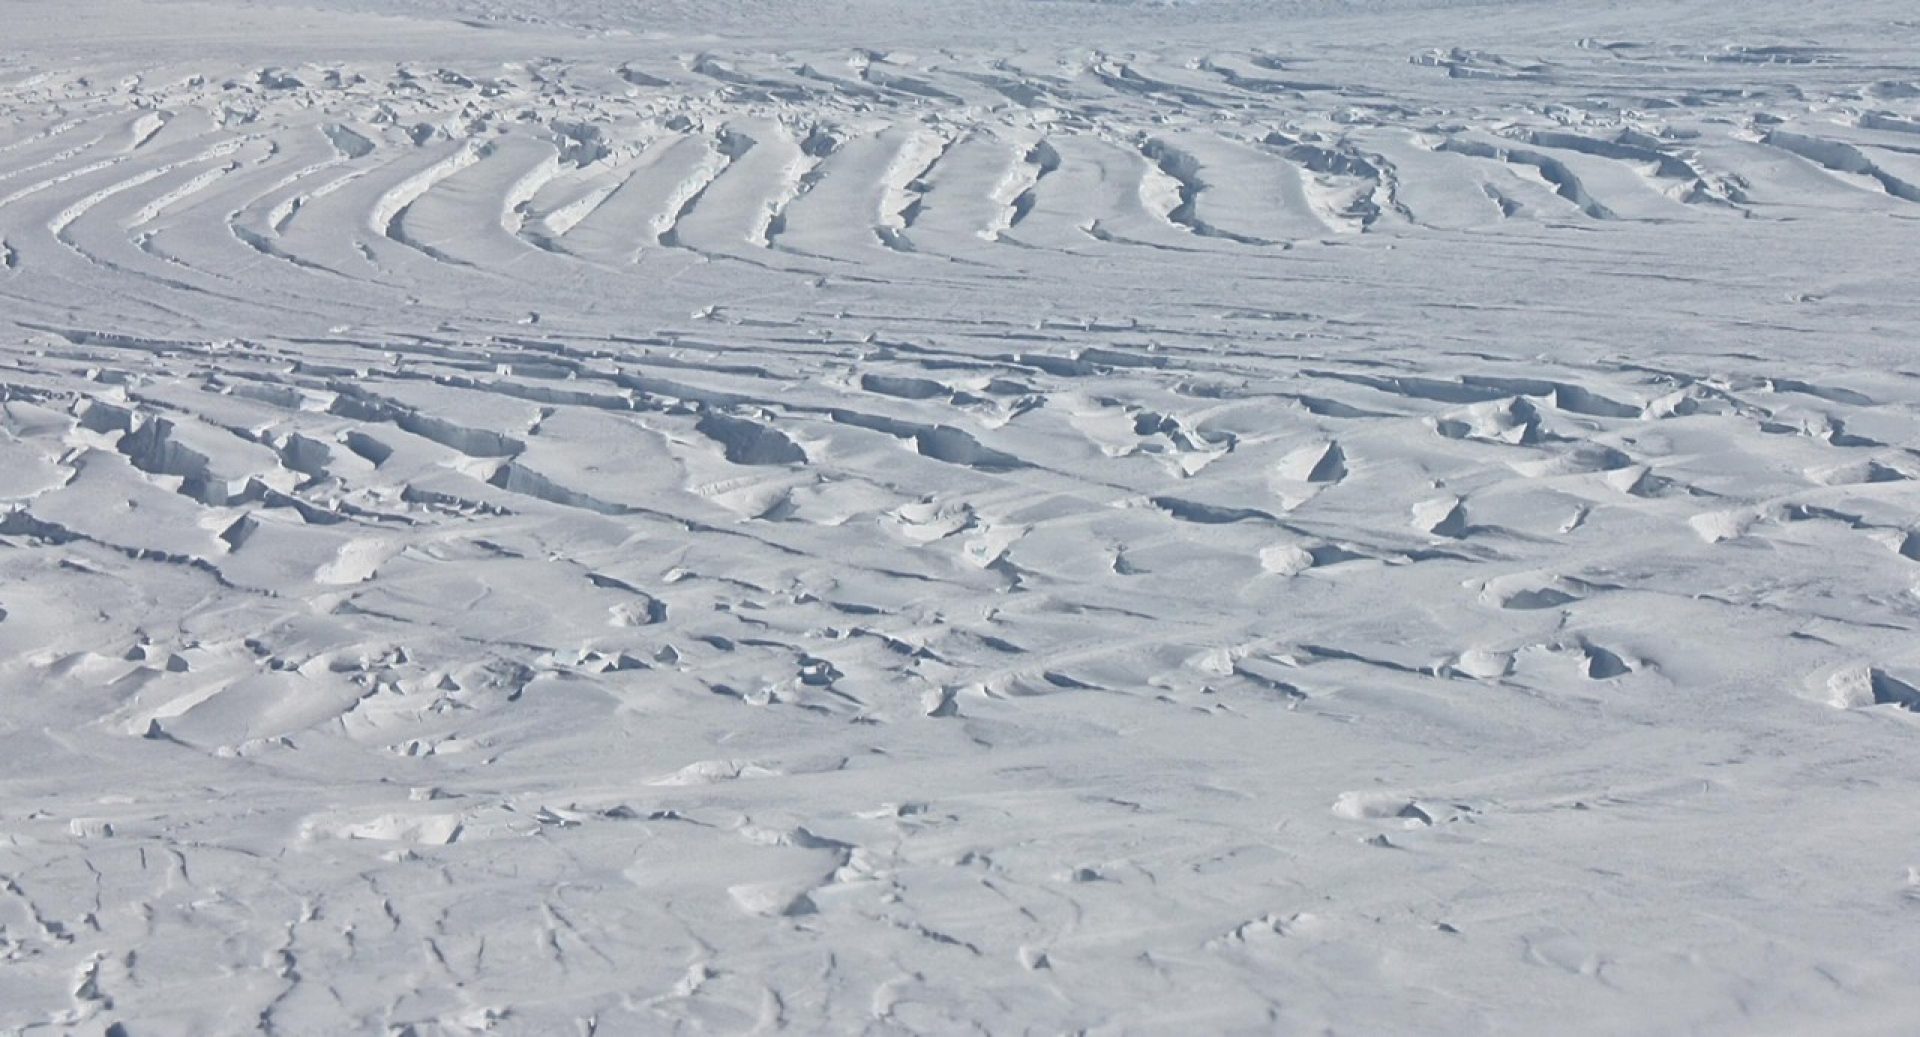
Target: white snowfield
1006 516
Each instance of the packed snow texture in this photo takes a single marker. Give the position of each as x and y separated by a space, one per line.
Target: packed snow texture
628 518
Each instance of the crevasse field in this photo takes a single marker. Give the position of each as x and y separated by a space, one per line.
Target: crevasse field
626 517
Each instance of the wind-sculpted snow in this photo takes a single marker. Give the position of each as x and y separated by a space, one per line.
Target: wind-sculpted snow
638 534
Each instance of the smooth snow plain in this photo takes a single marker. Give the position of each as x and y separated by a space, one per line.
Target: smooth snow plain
1005 516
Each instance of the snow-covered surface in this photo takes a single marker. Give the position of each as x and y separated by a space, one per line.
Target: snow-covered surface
625 518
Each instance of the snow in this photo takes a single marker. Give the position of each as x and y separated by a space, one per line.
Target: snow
642 516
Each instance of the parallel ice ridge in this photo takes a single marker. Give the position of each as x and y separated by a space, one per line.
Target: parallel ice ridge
812 506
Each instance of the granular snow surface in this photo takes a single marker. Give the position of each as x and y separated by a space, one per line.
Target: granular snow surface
1003 516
